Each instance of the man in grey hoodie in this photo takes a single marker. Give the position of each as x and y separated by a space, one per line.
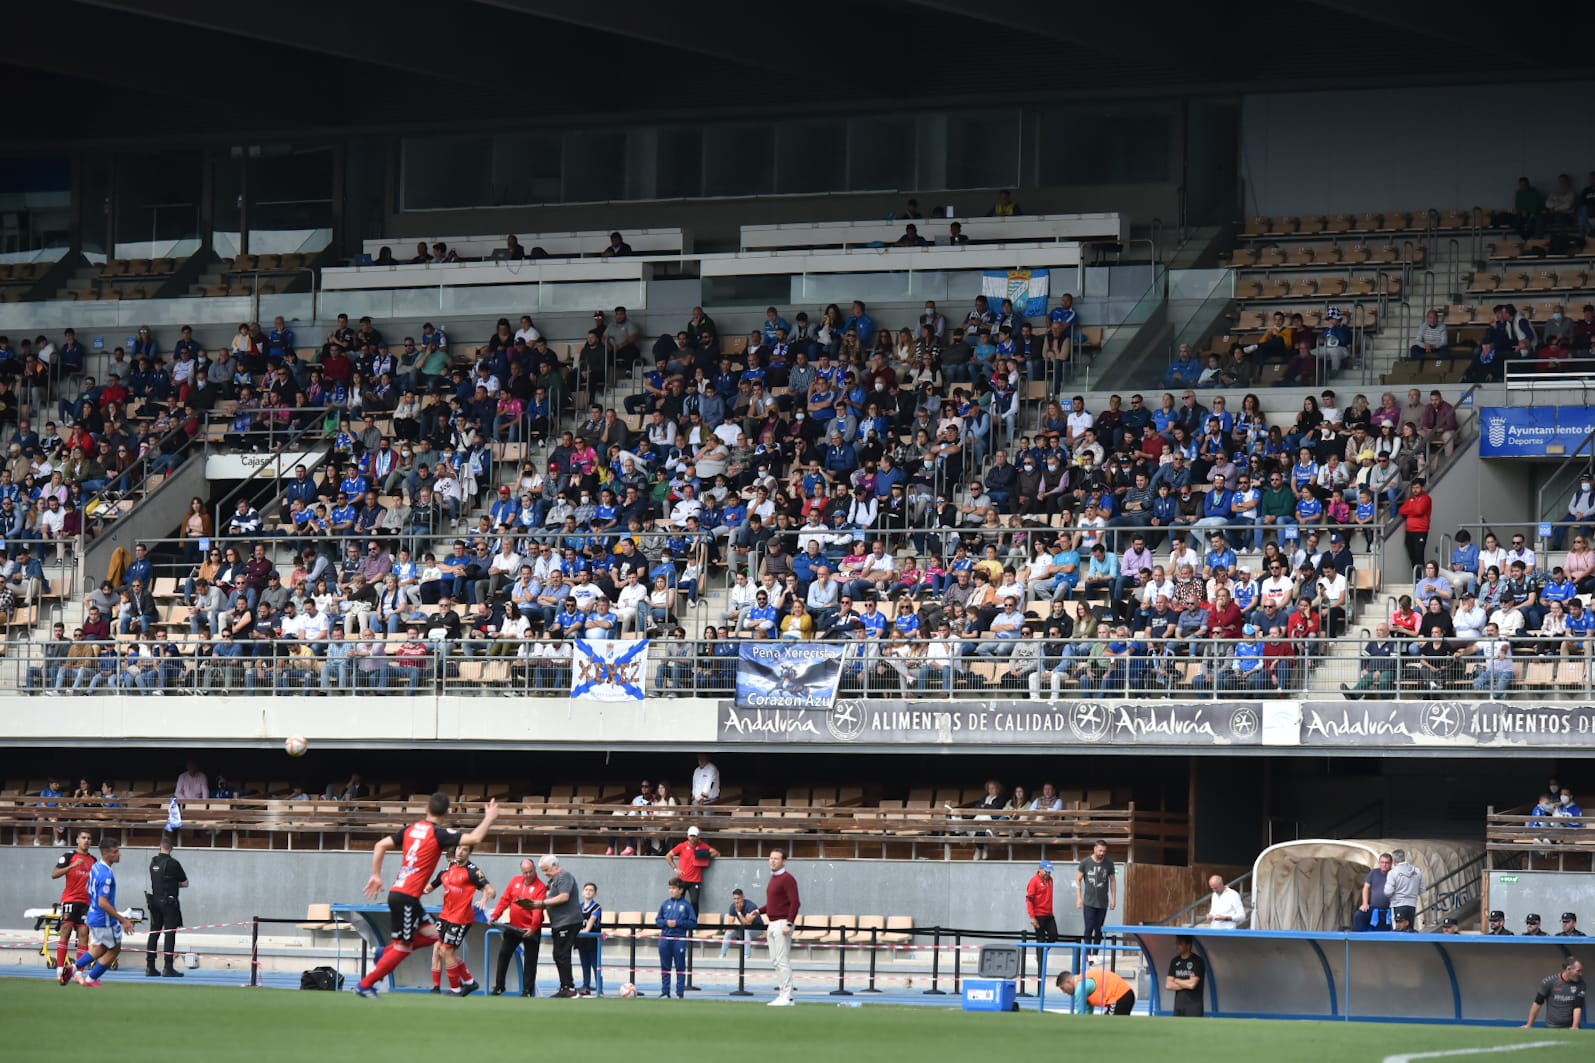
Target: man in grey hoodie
1402 887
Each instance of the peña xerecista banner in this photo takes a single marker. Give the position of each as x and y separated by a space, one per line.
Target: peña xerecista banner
1062 723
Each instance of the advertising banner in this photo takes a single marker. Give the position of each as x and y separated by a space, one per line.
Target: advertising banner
1456 724
1533 431
1081 724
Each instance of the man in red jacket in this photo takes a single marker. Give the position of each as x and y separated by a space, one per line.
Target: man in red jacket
1038 903
780 911
1417 509
524 930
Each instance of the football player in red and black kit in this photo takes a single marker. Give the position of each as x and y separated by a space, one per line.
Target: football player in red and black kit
74 867
421 845
460 881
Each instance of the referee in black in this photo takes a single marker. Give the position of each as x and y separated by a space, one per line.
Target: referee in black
166 910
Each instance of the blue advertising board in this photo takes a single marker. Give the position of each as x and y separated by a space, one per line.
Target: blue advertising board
1533 431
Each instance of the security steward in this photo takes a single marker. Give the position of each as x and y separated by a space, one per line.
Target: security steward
1498 925
1531 926
167 878
1570 926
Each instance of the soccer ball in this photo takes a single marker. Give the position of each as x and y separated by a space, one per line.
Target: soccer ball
295 745
627 989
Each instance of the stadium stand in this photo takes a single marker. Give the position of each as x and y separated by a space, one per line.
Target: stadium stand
474 474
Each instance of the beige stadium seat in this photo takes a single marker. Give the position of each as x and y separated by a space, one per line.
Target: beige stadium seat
899 930
812 929
1338 223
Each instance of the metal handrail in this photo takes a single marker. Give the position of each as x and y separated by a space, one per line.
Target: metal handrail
1558 484
1445 899
1187 668
1240 884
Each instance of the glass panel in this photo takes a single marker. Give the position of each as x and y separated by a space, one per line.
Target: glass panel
810 156
526 168
157 201
227 185
1212 164
440 172
595 166
35 204
746 291
983 149
96 217
739 161
1093 144
880 153
680 163
290 189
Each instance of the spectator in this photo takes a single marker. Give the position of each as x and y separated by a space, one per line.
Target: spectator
1433 340
192 784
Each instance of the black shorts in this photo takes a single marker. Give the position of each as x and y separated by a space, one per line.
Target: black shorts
409 917
453 933
74 912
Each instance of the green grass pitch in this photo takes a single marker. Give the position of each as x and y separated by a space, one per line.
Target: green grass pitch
128 1022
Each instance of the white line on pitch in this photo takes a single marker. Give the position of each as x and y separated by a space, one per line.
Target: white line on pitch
1471 1051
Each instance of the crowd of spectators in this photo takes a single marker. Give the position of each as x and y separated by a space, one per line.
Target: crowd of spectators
847 482
1474 620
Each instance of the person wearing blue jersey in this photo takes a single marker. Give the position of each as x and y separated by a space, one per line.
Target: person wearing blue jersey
106 924
676 921
1248 669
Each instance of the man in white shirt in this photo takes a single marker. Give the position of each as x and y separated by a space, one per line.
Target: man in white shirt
1507 620
705 781
1227 912
1159 586
313 623
1520 551
741 599
585 591
1078 421
1278 588
689 506
192 783
1181 553
1470 618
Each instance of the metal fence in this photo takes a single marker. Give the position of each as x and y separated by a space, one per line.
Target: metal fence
1181 668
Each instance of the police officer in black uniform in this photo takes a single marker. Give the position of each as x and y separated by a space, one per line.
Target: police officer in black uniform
1531 926
1570 926
1498 925
166 912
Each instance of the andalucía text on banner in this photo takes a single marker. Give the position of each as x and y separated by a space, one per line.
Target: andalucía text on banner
609 669
788 675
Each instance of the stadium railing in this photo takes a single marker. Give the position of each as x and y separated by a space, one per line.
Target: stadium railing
1185 667
538 826
1515 840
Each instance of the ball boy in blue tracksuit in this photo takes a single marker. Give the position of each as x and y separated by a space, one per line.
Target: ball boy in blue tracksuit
676 922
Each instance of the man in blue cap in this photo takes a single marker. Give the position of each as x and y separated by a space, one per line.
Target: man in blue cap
1038 903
